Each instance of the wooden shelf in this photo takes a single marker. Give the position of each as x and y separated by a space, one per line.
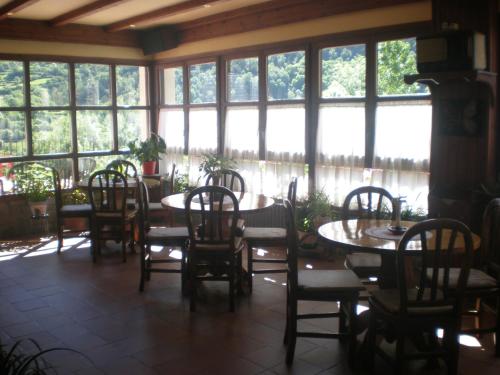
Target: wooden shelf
438 78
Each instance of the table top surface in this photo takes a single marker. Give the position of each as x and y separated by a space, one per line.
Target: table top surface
247 202
353 235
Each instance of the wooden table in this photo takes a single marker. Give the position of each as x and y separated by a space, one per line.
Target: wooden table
357 236
247 202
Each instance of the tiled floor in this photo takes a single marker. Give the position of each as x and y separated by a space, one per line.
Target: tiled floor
67 301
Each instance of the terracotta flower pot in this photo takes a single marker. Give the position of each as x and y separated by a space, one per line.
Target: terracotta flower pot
148 167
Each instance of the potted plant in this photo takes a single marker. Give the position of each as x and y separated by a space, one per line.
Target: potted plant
148 152
214 163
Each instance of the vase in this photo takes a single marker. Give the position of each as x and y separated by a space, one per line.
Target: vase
149 167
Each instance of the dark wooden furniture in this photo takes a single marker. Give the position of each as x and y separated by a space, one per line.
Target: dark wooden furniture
228 178
341 286
67 211
214 251
112 217
161 236
355 236
267 237
418 307
125 167
367 202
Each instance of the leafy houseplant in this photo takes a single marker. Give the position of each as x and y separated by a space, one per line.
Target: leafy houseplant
214 163
148 152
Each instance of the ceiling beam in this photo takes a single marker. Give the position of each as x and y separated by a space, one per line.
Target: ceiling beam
270 14
83 11
156 14
15 6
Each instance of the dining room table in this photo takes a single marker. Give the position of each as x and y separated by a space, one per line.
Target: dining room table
375 237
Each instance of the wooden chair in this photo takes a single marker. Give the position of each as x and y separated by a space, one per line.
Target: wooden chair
341 286
160 236
112 218
228 178
257 237
214 251
156 210
125 167
367 202
65 211
417 308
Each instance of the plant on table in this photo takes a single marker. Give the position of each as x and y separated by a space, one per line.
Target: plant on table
214 163
148 152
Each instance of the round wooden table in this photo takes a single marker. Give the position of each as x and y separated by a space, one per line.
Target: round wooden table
370 236
247 202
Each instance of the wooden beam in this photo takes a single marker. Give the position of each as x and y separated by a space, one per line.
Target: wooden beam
156 14
15 6
273 13
83 11
86 34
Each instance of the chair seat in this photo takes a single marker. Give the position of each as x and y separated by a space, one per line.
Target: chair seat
325 281
256 233
169 233
389 300
477 279
76 209
363 260
155 206
129 215
238 246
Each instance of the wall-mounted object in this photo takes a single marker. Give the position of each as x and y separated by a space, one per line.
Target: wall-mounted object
158 39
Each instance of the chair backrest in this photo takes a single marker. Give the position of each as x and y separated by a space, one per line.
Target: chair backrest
490 241
228 178
143 210
125 167
107 190
442 242
212 224
292 191
292 246
368 202
25 174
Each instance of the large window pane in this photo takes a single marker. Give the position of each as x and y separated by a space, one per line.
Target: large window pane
132 126
202 83
49 84
172 86
285 133
395 59
95 130
171 128
92 84
343 71
51 132
12 134
11 84
243 80
131 86
286 76
202 130
242 133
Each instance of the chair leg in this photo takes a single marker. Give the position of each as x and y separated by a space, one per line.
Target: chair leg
143 266
239 273
450 341
184 273
232 272
60 227
192 282
497 329
292 330
250 266
124 242
352 329
370 341
400 350
342 318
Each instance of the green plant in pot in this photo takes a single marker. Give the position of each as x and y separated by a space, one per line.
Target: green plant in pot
148 152
214 163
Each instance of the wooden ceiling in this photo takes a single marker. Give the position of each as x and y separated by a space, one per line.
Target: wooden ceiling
117 22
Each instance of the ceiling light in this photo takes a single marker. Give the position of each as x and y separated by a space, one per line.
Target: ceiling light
207 5
132 26
10 13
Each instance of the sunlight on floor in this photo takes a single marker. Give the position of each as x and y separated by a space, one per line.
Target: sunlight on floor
176 254
309 266
261 252
465 340
270 280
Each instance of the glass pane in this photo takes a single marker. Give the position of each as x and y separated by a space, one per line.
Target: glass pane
242 133
202 83
243 80
131 85
49 84
173 86
65 169
405 142
171 128
92 84
94 130
341 134
132 126
12 134
51 132
343 71
395 59
286 76
202 130
285 133
11 84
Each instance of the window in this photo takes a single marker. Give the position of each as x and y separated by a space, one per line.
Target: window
202 83
286 76
52 117
243 80
173 82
